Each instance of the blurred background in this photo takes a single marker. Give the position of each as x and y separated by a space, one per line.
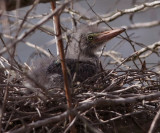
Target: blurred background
144 36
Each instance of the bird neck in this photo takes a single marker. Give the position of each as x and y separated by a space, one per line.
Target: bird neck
82 57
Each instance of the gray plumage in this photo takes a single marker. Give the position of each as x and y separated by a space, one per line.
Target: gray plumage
81 60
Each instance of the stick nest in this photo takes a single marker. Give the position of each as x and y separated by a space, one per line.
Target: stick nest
113 100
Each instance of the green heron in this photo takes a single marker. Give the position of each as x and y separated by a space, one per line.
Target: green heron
81 58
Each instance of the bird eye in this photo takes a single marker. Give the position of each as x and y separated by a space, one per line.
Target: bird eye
90 38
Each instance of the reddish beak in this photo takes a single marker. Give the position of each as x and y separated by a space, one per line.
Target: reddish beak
107 35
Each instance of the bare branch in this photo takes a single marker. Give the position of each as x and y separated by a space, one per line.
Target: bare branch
12 4
142 25
154 122
60 48
41 123
20 38
135 9
30 45
118 101
146 51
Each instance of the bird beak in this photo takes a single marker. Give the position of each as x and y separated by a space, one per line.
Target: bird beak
107 35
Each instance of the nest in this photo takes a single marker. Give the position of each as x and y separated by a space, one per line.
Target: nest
109 101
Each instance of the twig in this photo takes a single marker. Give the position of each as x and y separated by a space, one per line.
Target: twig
30 45
118 101
63 65
151 48
25 17
12 4
90 127
142 25
130 10
154 122
3 107
141 53
39 123
120 116
24 35
133 50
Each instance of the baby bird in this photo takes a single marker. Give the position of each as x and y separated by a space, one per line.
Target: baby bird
81 58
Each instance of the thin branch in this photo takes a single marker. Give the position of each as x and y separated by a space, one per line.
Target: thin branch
25 17
63 65
142 25
118 101
30 45
12 4
135 9
24 35
148 50
41 123
142 53
154 122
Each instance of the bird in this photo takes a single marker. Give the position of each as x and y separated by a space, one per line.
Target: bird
81 59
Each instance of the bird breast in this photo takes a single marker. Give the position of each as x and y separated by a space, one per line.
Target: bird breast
48 72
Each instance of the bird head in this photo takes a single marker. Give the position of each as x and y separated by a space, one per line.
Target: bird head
86 41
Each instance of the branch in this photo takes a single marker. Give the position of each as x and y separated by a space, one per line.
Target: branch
135 9
39 123
142 53
148 50
12 4
154 122
142 25
86 105
60 49
29 44
118 101
24 35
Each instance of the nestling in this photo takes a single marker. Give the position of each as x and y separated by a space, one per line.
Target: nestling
80 58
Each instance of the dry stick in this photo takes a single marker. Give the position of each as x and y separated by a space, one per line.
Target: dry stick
62 57
29 44
25 17
4 102
44 20
154 122
151 48
142 25
12 4
85 106
128 39
39 123
135 9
